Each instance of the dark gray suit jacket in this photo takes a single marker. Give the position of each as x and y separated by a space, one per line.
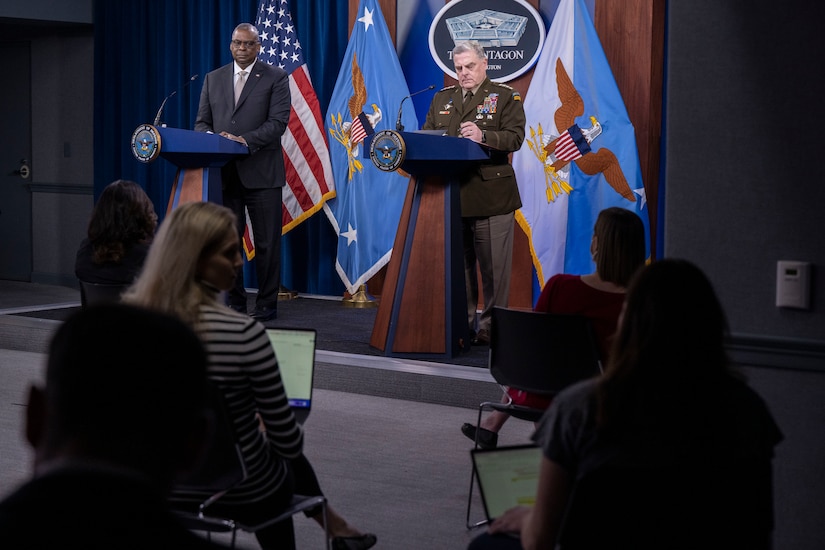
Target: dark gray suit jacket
261 118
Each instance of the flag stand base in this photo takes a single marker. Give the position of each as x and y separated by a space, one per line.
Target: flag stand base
360 299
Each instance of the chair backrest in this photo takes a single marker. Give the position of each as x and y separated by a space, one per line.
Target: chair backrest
221 466
100 293
541 353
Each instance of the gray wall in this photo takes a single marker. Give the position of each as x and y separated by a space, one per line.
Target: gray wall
62 105
745 187
62 152
745 183
71 11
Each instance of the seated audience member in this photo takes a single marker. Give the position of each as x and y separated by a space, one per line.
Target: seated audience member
194 257
669 448
120 414
120 230
618 250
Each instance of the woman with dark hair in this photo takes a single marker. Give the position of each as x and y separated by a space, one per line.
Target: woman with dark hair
618 250
669 448
121 228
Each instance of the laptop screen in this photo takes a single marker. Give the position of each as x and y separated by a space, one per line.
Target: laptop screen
507 477
295 349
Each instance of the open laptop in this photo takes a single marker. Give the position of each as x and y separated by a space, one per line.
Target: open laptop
295 349
507 477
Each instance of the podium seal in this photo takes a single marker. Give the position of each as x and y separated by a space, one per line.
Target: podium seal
146 143
387 150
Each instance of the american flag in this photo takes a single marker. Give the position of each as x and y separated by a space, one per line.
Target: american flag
309 180
571 145
361 128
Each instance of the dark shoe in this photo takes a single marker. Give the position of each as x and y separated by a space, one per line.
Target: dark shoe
263 313
486 438
354 543
482 338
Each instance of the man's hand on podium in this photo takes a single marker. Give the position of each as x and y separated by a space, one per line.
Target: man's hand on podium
471 131
233 137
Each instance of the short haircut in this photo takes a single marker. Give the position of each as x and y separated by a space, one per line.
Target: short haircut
621 245
248 27
469 46
125 385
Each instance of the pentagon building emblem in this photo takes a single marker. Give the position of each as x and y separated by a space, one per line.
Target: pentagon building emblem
510 31
491 29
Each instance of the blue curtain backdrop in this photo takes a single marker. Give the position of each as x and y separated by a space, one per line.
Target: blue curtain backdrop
144 51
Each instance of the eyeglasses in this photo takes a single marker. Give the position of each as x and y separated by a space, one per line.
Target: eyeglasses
247 43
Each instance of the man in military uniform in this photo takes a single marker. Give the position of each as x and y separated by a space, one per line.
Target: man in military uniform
489 113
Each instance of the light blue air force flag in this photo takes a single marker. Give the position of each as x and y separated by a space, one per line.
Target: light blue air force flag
367 94
580 154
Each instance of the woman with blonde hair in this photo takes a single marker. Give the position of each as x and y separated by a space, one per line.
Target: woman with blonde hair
195 257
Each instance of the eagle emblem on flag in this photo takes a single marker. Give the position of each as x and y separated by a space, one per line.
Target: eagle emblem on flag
573 145
350 134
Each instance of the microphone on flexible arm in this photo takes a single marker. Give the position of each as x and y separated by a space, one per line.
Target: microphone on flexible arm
163 104
398 125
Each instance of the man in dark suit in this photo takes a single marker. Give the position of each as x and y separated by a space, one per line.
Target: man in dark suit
121 413
248 101
490 113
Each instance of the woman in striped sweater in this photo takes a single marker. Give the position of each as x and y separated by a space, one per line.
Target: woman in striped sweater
194 257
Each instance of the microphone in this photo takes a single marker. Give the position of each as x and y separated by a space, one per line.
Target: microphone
163 104
398 125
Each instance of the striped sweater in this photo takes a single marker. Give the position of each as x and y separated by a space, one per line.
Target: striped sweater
243 365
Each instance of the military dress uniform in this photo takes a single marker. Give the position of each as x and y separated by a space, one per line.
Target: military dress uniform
489 193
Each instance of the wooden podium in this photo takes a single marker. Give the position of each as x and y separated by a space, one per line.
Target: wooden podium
199 157
423 308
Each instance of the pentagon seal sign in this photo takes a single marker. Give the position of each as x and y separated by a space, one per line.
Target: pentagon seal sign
146 143
510 31
387 150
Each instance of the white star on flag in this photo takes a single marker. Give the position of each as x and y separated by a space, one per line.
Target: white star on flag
366 19
351 234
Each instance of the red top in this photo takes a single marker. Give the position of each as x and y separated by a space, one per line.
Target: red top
567 294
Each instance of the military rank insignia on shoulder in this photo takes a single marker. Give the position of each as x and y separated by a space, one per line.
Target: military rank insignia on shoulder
516 94
445 88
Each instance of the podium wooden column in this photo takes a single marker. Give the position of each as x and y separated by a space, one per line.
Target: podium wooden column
423 308
199 157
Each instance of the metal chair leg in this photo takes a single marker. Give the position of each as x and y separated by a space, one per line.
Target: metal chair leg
468 523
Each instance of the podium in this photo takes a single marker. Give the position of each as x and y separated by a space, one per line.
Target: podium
197 155
423 309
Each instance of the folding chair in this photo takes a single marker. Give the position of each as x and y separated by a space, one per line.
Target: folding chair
221 470
100 293
541 353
